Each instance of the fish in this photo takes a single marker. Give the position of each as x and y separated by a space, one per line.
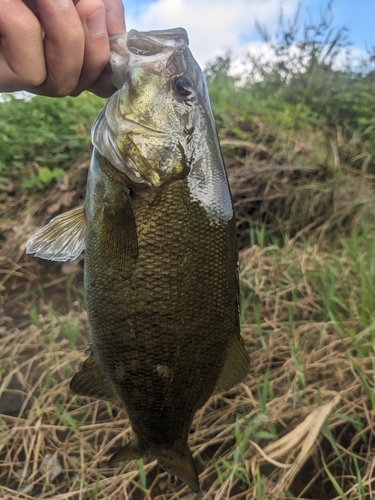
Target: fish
161 262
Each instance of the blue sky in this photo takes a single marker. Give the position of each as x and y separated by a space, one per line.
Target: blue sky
214 25
359 18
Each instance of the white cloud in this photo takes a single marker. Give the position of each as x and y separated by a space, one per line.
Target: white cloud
242 64
354 58
212 25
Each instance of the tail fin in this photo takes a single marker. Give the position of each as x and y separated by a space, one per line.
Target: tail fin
178 462
181 463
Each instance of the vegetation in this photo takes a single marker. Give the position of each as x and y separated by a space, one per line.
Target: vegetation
298 139
41 138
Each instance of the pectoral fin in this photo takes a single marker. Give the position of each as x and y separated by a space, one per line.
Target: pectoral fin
120 233
90 381
236 367
62 239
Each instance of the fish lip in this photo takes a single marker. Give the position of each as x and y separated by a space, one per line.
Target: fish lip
149 43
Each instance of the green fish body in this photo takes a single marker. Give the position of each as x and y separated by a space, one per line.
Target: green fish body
159 232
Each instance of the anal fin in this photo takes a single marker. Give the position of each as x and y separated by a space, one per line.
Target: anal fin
62 239
237 366
130 451
90 381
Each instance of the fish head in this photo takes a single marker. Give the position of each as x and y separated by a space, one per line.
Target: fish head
150 128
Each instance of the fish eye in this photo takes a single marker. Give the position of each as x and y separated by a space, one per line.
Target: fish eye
183 86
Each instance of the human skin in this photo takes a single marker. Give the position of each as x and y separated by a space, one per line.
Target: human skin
57 48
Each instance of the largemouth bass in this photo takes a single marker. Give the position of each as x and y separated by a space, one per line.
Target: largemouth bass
159 234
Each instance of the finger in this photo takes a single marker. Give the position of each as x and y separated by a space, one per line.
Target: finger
64 46
21 51
96 55
115 16
115 23
32 5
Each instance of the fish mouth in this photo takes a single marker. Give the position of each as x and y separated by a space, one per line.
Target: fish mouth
144 48
129 137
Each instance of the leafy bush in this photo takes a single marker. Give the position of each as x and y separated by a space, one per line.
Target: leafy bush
44 136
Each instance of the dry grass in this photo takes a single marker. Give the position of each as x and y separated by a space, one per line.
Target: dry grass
300 199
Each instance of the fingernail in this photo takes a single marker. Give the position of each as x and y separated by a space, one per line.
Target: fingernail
61 3
96 22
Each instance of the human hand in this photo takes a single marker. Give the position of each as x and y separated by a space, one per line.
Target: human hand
56 48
